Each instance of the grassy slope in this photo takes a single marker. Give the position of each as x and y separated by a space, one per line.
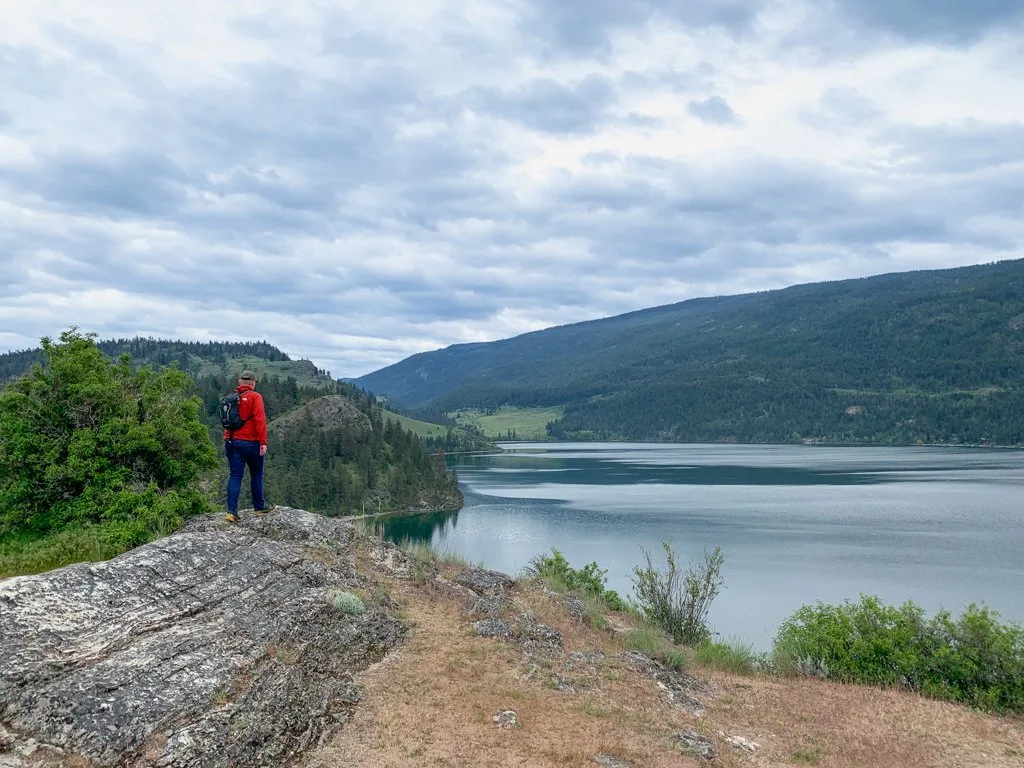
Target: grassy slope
527 423
432 704
417 427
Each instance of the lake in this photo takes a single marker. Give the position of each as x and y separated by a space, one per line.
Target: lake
941 526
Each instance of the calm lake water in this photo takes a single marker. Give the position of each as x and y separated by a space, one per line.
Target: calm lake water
797 524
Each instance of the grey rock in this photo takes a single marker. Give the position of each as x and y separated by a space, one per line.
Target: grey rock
696 745
575 608
506 719
678 687
488 605
212 647
537 638
742 744
611 762
390 560
485 582
587 657
446 587
565 685
492 628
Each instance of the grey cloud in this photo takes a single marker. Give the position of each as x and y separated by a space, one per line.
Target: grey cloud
6 118
696 79
713 109
584 27
962 148
127 72
944 21
31 73
790 213
132 182
549 106
288 167
841 109
644 121
598 159
83 47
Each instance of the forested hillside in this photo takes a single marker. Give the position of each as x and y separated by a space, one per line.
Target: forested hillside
931 356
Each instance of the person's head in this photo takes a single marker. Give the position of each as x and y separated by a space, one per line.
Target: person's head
247 379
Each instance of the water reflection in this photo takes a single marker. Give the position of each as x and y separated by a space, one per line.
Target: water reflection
418 529
797 524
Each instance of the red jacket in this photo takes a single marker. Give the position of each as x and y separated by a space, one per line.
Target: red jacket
250 408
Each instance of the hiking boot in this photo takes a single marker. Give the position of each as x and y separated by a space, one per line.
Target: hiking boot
265 510
231 517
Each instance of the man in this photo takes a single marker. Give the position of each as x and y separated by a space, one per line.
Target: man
246 447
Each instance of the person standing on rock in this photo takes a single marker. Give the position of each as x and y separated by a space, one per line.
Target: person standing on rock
245 443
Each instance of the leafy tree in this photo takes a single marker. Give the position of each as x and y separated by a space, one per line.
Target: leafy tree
87 443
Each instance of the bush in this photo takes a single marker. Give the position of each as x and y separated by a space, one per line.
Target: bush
346 602
737 657
679 601
975 659
647 640
558 574
97 447
674 658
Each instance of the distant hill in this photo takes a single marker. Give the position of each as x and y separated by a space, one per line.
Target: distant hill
930 356
199 358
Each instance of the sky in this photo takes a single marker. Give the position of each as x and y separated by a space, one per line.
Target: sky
357 182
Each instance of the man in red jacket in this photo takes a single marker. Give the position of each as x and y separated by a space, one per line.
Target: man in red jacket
246 447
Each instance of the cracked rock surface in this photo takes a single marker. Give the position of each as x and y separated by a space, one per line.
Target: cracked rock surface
215 646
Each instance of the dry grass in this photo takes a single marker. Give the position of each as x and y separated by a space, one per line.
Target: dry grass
431 702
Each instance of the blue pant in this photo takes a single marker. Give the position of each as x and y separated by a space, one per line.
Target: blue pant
242 454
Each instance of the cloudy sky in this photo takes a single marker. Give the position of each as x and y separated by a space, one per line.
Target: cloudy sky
359 181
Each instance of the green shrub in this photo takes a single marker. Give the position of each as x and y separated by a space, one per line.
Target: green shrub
652 642
101 455
678 601
593 610
674 658
975 659
557 573
734 656
865 642
648 640
346 602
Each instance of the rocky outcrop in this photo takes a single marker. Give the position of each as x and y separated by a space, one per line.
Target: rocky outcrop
330 412
678 687
213 647
484 582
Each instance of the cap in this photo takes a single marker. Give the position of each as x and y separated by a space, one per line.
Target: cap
247 376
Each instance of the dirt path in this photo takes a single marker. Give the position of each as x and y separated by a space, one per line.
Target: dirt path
431 704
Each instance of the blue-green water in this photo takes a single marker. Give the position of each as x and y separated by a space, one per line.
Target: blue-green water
941 526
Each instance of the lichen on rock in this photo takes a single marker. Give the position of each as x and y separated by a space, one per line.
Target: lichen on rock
215 646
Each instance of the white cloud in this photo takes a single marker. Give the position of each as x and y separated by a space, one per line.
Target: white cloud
358 182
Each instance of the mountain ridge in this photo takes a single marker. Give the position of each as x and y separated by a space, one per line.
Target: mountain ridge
712 368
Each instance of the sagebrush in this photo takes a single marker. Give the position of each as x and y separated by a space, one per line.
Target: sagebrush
679 600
